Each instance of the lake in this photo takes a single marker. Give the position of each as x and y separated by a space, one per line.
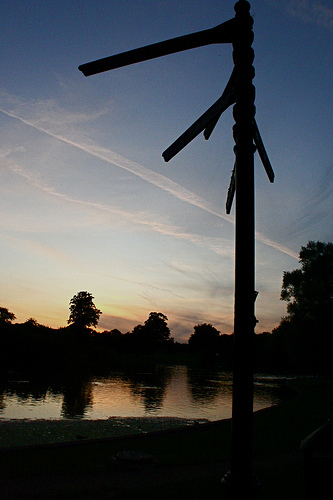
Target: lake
162 391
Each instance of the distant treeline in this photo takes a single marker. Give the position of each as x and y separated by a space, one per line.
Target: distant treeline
30 347
302 343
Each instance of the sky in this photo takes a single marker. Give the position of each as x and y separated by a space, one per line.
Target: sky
87 202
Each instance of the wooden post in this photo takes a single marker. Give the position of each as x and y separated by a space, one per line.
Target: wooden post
240 479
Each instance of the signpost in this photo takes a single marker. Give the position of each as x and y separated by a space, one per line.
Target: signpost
240 91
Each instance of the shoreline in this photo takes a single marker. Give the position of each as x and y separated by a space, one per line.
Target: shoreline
26 432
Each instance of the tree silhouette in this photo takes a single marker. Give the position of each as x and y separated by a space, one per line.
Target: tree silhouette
6 316
309 290
157 328
205 337
31 323
83 312
304 336
153 335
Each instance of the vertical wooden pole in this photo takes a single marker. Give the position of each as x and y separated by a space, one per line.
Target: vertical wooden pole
240 478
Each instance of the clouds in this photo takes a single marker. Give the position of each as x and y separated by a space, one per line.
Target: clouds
316 209
311 11
145 220
47 118
318 12
34 247
45 124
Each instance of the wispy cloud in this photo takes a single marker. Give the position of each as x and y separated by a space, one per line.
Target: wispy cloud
312 12
186 319
217 245
111 322
317 206
277 246
112 157
308 11
144 284
41 122
37 248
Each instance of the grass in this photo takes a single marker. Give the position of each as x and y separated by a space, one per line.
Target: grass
277 461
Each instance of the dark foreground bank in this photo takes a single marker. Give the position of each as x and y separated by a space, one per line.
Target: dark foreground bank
24 432
181 463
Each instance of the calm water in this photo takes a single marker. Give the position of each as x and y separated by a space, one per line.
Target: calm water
165 391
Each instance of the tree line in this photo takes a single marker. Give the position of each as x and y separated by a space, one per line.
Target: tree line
302 343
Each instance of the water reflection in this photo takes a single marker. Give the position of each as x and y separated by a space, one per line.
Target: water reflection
175 391
207 385
149 387
24 390
77 398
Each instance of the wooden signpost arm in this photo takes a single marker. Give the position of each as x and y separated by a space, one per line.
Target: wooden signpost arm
262 153
210 117
223 33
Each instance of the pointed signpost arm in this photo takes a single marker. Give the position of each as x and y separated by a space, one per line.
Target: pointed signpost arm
231 190
211 116
262 153
265 161
223 33
210 127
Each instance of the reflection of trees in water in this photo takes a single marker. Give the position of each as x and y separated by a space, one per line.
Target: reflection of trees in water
2 395
2 401
78 397
23 390
149 385
76 391
27 389
206 385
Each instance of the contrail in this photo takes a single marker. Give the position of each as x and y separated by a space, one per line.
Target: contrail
276 246
149 176
215 244
144 173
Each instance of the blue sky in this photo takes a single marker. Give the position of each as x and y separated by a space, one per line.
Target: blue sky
86 200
